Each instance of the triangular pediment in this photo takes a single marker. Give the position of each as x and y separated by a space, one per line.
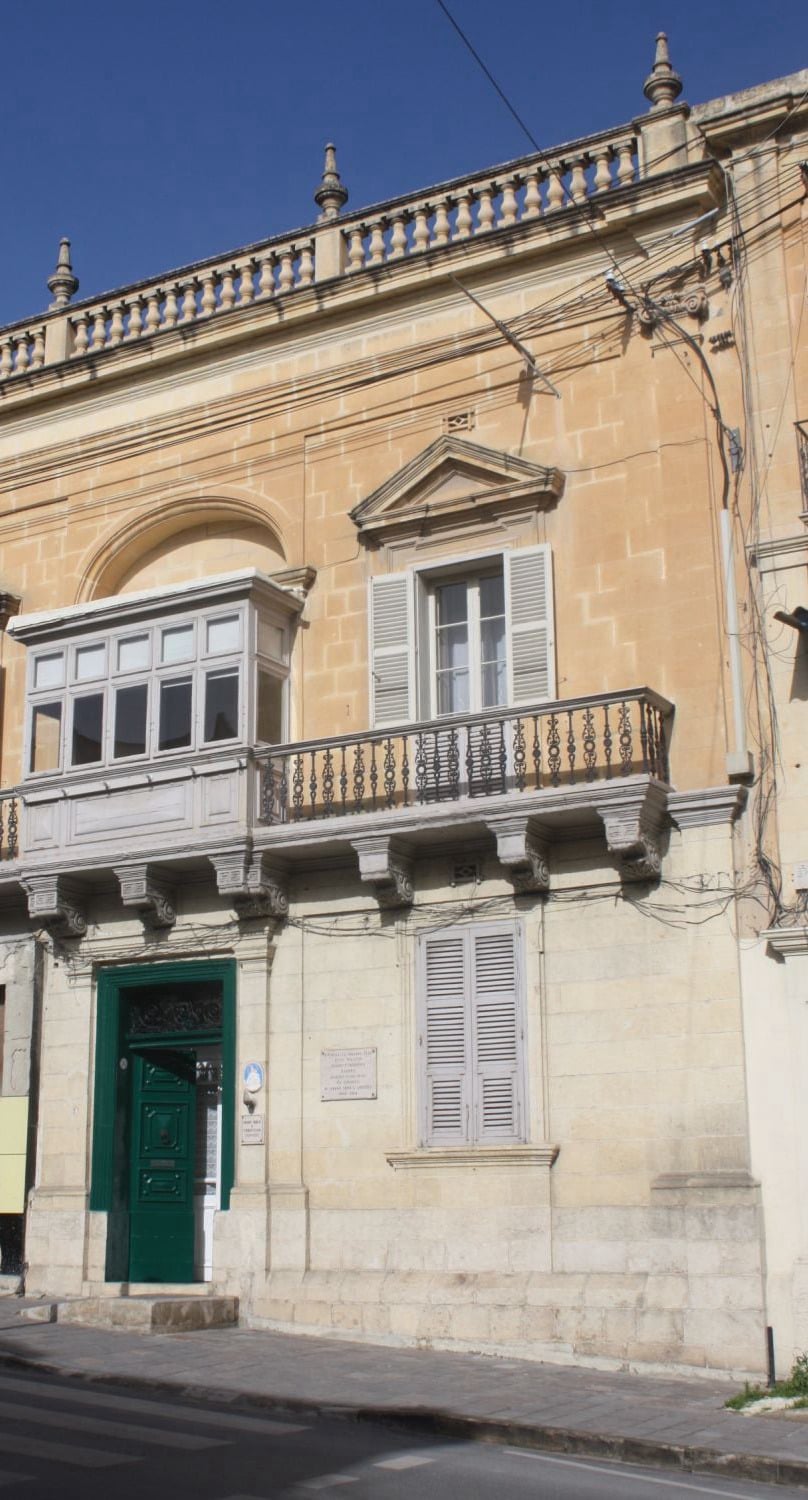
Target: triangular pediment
451 481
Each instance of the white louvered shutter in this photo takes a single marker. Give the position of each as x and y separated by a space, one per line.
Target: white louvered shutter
392 665
497 1035
529 601
444 1040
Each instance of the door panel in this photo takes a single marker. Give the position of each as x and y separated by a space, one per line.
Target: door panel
162 1165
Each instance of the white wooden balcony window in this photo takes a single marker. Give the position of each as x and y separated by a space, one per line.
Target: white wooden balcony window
462 637
165 687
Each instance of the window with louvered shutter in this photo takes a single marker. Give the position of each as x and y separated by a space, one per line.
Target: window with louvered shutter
496 1033
530 616
444 1039
391 650
470 1038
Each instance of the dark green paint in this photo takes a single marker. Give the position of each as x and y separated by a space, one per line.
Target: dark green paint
113 1136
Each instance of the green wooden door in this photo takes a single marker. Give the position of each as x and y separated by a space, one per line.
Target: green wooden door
161 1222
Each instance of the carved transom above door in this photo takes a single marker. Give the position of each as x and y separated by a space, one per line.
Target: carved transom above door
454 483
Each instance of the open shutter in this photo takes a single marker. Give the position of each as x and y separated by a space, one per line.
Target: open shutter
497 1035
529 601
392 651
444 1040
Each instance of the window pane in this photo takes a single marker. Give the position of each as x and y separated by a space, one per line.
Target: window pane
49 671
88 724
492 595
453 692
175 715
269 726
221 706
453 647
46 732
224 635
452 607
494 684
133 653
272 640
177 643
130 720
91 661
492 639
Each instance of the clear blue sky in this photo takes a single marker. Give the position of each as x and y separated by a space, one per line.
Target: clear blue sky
157 132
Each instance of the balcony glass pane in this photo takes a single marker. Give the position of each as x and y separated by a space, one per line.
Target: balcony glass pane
269 717
451 604
177 643
46 734
131 704
88 728
221 706
91 661
224 634
175 715
49 671
134 653
272 640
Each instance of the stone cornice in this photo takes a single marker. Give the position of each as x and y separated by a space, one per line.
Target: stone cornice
475 1157
493 478
780 552
787 941
709 805
698 184
104 614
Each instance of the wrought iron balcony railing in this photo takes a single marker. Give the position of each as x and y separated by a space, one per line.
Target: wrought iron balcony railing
564 743
9 825
802 453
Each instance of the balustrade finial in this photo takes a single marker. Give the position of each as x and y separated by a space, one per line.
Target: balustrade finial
63 284
331 195
663 84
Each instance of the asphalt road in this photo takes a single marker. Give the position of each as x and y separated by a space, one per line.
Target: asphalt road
68 1440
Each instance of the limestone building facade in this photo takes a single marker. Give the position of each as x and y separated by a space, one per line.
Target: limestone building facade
403 805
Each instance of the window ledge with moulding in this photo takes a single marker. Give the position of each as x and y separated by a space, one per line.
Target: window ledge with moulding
542 1154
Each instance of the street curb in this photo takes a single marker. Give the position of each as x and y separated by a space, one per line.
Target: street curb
444 1423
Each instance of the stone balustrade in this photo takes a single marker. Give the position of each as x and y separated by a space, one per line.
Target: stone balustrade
534 189
514 197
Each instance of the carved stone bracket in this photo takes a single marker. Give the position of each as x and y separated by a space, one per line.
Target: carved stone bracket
257 885
633 824
386 864
523 853
56 902
149 893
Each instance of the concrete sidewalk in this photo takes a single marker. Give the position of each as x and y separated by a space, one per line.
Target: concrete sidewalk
681 1423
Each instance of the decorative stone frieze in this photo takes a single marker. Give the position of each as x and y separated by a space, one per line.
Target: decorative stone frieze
257 885
523 853
149 893
633 824
56 902
386 865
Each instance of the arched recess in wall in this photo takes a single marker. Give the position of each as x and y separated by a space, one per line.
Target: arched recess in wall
182 541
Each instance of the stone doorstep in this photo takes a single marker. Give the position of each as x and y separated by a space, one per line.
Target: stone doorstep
10 1285
141 1313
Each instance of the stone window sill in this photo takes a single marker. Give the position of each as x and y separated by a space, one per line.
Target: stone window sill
430 1158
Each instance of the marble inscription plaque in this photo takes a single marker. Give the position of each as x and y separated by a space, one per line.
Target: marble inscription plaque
348 1073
